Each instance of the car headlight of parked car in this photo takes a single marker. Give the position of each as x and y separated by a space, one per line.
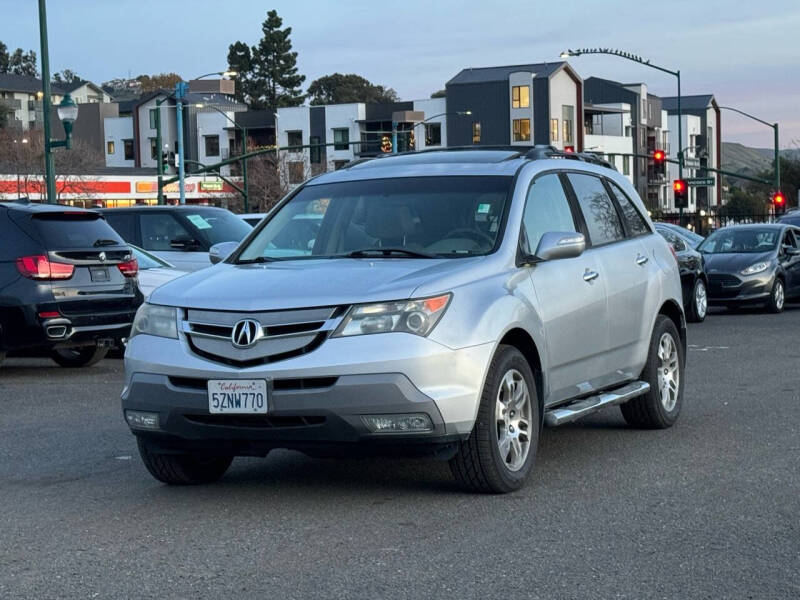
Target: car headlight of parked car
152 319
409 316
756 268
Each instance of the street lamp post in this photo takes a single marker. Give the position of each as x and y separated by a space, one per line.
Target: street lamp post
777 148
243 129
67 111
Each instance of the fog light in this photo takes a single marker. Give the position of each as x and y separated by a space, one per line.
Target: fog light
141 420
398 423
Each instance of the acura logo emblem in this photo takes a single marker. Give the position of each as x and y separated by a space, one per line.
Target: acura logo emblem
246 333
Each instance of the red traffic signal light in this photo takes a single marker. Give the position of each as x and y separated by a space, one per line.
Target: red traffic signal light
659 156
679 186
778 199
681 191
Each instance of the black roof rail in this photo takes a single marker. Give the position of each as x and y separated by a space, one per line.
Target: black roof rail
540 152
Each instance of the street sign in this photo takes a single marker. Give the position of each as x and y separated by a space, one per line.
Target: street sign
700 181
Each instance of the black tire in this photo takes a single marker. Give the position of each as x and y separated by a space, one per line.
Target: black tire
649 411
83 356
777 298
183 469
697 307
478 464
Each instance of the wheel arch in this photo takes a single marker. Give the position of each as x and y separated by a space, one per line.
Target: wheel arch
523 341
674 312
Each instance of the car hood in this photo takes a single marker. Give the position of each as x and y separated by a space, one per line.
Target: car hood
733 263
302 283
150 279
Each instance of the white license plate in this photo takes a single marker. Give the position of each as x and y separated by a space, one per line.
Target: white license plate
237 396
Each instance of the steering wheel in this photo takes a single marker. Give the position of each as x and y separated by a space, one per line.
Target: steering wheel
474 234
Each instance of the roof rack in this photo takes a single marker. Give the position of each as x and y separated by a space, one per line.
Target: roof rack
542 151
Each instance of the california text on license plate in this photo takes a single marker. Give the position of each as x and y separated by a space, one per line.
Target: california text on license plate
237 396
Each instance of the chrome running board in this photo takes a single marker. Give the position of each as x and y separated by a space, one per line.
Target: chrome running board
586 406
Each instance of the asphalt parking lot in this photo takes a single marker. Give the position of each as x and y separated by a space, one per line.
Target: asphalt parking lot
708 509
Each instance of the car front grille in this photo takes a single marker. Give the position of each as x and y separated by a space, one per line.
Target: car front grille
282 334
258 421
724 280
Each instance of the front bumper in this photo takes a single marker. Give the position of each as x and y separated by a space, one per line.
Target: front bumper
752 289
316 398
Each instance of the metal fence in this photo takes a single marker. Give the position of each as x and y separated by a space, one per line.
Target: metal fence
703 223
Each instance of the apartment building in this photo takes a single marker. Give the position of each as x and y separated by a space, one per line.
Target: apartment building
23 95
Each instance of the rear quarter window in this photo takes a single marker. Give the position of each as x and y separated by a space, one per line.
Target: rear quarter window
78 230
634 222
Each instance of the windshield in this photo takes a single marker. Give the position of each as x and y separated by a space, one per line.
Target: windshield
215 226
393 218
735 240
147 260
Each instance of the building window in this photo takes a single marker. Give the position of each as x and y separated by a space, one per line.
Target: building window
212 145
296 172
339 164
109 147
433 134
294 138
341 139
627 131
153 149
128 147
520 96
553 130
522 130
626 165
567 118
476 133
153 112
316 150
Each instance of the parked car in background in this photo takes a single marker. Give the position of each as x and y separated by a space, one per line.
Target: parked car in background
693 275
153 271
67 283
693 238
791 217
181 235
439 303
252 219
752 265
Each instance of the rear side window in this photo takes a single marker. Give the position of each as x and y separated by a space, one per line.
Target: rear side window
634 222
602 220
546 209
124 224
74 230
159 229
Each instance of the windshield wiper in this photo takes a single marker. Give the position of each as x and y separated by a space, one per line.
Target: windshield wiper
387 252
257 259
102 242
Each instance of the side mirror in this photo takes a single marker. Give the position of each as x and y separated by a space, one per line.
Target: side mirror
221 251
560 244
185 243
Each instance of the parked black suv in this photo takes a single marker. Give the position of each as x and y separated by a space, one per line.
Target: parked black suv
67 283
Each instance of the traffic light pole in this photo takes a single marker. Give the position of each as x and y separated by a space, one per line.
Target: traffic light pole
777 158
159 154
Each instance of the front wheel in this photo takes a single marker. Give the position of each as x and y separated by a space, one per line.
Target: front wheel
777 298
698 305
660 406
500 451
83 356
183 469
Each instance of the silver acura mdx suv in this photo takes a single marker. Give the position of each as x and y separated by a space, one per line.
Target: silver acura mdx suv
445 303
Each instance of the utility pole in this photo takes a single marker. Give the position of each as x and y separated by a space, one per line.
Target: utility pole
49 169
180 92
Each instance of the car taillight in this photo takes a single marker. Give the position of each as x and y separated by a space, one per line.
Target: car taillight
129 268
41 267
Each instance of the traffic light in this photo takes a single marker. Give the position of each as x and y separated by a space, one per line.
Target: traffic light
681 191
659 163
779 201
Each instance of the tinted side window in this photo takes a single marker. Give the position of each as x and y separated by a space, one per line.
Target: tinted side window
76 230
601 217
124 224
634 222
159 229
546 209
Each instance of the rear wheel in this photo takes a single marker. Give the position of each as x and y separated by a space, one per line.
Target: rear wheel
777 298
499 453
183 469
698 305
660 406
82 356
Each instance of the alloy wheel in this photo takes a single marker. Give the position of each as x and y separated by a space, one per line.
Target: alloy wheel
700 299
668 372
779 294
513 419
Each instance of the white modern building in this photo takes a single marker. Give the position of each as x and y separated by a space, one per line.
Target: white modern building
23 95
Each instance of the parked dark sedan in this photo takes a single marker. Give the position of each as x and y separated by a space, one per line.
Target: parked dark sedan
753 264
692 269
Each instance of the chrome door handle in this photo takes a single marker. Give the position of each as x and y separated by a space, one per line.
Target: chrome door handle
589 275
640 260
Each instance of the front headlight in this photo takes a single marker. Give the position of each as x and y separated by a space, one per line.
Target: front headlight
756 268
410 316
152 319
